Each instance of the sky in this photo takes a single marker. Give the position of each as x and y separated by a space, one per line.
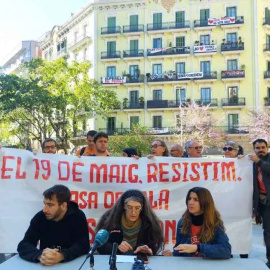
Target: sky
30 19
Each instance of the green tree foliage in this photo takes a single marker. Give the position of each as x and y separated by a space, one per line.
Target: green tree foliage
52 98
138 138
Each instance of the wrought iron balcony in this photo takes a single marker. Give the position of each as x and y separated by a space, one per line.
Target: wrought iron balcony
113 80
233 101
110 30
113 131
168 51
206 102
237 20
266 21
232 46
109 55
153 104
133 105
133 53
133 28
266 47
227 74
170 76
208 76
267 74
135 79
167 26
202 23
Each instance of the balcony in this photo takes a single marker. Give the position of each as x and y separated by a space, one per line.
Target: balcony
207 77
266 23
168 27
80 41
63 53
266 48
165 78
232 75
267 75
110 56
207 102
113 81
113 131
133 29
203 25
168 52
133 105
134 79
110 31
230 22
165 104
205 50
233 102
133 54
234 129
232 47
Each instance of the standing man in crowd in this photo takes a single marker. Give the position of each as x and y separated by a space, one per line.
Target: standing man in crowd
49 146
261 189
176 150
90 149
193 149
101 144
61 228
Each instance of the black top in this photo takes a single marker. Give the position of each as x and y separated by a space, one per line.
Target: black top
70 235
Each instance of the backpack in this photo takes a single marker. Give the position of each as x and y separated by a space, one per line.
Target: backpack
82 151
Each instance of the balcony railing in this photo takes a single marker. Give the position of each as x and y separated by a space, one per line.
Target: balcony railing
266 21
232 46
113 80
201 23
133 105
227 74
153 104
110 30
136 79
167 26
109 55
206 102
133 53
133 28
79 40
208 76
266 47
168 51
234 101
238 20
267 74
164 77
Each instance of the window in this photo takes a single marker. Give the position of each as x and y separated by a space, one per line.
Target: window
85 54
205 67
180 18
75 37
58 48
267 42
134 71
134 97
205 39
180 95
134 46
133 121
206 95
157 94
111 48
232 38
46 55
85 28
111 125
268 65
231 12
233 121
134 22
50 54
180 68
204 16
111 71
157 69
180 41
157 21
111 24
233 95
157 121
268 92
64 46
157 43
232 64
267 13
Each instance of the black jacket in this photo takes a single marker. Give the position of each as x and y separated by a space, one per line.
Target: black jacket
70 233
265 167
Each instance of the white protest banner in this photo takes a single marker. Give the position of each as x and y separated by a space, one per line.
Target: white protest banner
205 48
221 21
113 80
190 75
97 182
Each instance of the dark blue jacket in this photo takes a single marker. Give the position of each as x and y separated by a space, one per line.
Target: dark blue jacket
219 248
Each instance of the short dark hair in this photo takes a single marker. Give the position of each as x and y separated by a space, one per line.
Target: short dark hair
61 192
48 140
100 135
130 152
259 141
91 133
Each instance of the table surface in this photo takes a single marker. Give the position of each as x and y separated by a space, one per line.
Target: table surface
155 263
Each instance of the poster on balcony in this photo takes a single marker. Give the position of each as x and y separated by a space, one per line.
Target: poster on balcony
205 48
220 21
114 80
232 73
97 183
190 75
157 50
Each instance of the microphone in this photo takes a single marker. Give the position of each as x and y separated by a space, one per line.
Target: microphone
115 238
100 239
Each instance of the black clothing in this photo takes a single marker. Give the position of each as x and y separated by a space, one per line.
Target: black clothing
70 235
197 220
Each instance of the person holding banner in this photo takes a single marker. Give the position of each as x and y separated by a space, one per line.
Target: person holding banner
158 149
90 149
200 231
141 230
101 143
61 228
193 149
49 146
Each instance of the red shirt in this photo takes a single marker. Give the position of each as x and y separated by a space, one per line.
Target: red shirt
260 181
195 239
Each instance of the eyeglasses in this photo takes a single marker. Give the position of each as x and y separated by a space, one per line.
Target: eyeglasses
197 147
136 209
50 147
155 145
228 149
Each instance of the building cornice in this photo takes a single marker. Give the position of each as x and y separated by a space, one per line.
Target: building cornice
118 5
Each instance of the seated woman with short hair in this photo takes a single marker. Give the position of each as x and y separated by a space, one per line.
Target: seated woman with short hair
200 231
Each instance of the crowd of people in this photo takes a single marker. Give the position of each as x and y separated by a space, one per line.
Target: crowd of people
61 227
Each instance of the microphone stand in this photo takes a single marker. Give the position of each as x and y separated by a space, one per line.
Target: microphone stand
112 261
92 261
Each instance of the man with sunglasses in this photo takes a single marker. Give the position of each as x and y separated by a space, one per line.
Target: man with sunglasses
261 189
193 149
49 146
